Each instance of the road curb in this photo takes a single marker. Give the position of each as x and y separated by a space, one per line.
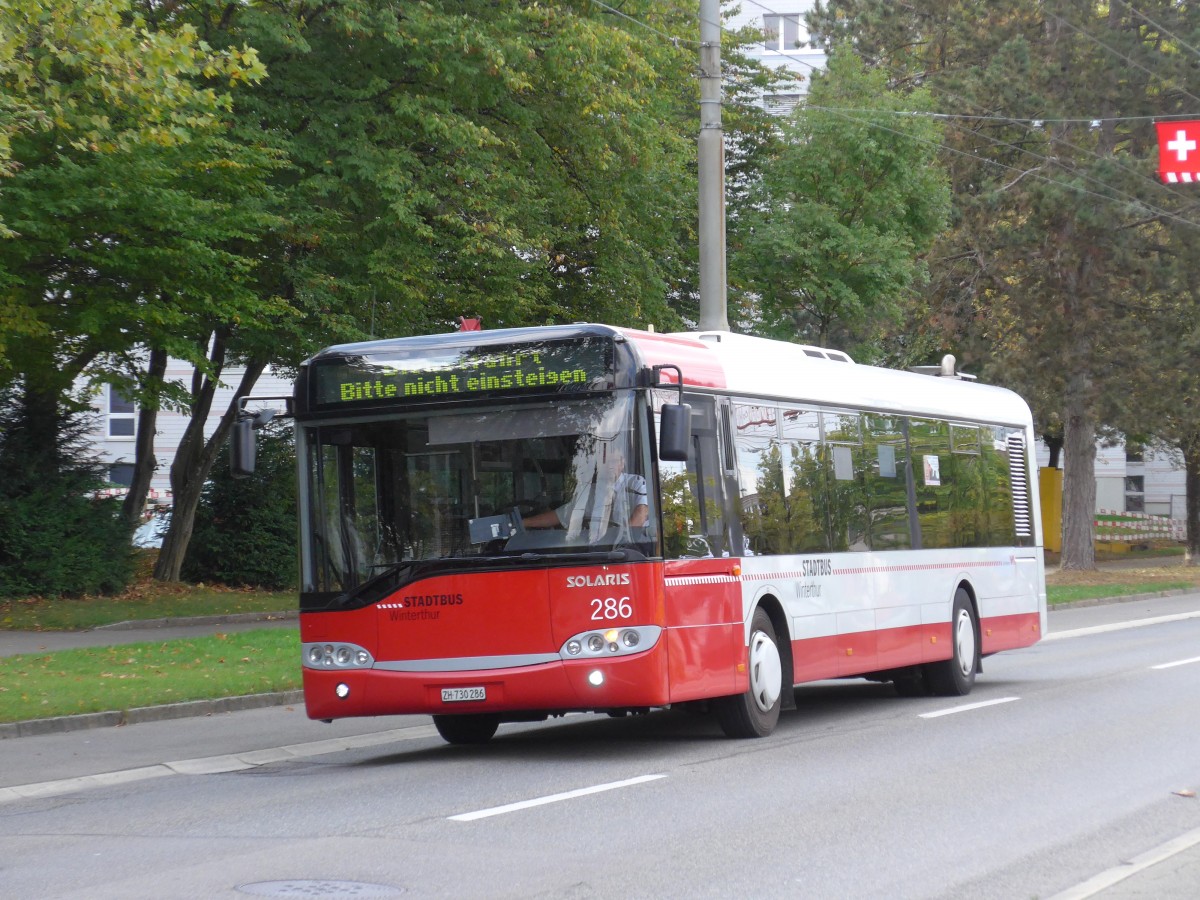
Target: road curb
63 724
139 715
229 619
1121 598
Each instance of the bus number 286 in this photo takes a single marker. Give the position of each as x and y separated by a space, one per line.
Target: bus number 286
611 608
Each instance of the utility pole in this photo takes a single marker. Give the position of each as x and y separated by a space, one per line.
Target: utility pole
713 303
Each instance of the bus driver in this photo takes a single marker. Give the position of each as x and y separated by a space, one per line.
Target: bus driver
622 495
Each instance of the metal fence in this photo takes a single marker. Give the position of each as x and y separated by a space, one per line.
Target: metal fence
1134 527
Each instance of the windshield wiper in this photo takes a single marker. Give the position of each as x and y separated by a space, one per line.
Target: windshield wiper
581 556
396 575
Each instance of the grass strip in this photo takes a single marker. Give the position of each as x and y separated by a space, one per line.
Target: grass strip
1069 593
181 602
69 682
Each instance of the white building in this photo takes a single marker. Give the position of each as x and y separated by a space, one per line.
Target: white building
116 424
1136 481
786 44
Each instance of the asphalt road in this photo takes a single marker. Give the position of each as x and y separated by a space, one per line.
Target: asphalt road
1072 776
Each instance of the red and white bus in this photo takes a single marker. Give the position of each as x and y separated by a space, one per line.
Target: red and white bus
514 524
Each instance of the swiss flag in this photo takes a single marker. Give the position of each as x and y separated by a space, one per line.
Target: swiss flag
1179 151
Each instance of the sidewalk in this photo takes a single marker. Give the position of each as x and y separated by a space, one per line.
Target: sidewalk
13 643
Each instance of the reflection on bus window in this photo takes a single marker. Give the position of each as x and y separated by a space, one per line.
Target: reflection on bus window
696 519
434 485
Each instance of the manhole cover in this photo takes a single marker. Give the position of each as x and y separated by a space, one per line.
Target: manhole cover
311 888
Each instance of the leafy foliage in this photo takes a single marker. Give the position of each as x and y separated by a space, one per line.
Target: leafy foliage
1063 253
245 528
523 162
830 242
57 537
90 94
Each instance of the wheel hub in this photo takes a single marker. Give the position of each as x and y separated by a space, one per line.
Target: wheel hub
766 671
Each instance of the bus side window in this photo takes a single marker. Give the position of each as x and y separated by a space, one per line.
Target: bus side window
887 482
845 484
804 482
695 520
930 442
765 519
968 522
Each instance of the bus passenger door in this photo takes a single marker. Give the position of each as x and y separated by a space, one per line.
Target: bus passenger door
703 601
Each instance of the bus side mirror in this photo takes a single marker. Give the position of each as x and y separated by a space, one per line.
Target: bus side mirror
675 434
241 448
241 439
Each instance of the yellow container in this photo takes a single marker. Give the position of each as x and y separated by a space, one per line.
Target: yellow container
1050 488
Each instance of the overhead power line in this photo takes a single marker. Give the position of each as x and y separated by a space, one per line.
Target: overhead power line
1032 125
1126 200
1161 30
670 37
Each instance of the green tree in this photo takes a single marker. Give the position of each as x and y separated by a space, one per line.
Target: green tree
58 534
83 82
245 528
1058 226
530 163
830 239
126 210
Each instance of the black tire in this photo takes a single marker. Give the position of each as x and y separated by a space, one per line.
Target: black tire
756 712
477 729
911 682
955 676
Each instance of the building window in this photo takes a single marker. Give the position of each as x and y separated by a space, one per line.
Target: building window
1135 493
121 473
121 413
784 33
780 104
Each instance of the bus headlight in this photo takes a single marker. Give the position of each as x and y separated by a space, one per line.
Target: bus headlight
612 642
335 656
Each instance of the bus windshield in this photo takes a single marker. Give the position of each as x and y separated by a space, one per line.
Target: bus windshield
505 480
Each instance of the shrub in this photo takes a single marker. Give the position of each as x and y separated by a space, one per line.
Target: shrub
245 528
56 536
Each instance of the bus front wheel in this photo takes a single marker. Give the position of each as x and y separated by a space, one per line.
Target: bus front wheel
955 676
755 713
477 729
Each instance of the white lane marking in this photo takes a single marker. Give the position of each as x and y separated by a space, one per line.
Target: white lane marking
1182 662
1116 874
967 707
1119 626
211 765
552 798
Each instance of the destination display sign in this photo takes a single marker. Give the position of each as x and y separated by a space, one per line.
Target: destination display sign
442 374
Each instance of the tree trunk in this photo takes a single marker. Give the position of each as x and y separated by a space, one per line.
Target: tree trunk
1054 443
193 462
1079 477
144 462
1191 465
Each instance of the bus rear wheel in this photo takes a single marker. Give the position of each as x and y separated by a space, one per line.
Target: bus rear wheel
755 713
477 729
954 677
